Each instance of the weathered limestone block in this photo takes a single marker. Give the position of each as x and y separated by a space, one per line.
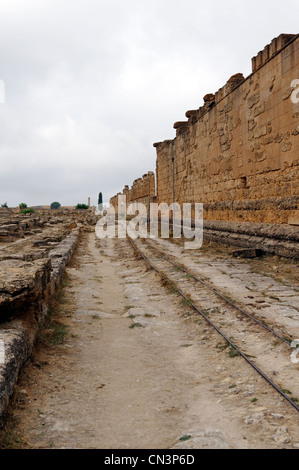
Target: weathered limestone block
21 283
281 240
24 291
270 50
17 349
253 100
294 220
275 231
259 110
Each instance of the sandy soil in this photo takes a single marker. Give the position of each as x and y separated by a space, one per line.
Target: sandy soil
139 369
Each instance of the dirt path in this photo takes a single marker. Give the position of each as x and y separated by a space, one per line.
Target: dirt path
139 369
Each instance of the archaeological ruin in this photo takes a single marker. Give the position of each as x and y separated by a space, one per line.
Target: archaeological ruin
166 347
238 155
35 249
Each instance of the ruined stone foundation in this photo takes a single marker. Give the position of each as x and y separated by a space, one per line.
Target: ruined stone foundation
238 154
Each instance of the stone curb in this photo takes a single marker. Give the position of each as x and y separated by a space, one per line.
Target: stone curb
17 336
270 238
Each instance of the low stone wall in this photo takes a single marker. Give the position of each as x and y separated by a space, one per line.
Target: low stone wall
281 240
16 226
238 153
143 190
25 290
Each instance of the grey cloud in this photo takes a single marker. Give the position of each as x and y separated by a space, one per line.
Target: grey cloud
90 85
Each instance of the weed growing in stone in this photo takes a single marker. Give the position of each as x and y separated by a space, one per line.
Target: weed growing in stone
135 325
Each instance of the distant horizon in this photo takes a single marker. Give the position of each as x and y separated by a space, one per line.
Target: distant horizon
48 206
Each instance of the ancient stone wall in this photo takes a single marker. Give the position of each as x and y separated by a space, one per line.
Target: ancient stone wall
239 153
143 190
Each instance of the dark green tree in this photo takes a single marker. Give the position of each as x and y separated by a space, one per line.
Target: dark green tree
100 202
55 205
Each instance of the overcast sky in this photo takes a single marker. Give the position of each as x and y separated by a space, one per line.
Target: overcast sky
90 85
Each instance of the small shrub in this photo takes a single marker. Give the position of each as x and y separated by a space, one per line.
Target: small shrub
54 333
222 346
233 352
82 206
187 301
188 276
27 211
135 325
185 438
